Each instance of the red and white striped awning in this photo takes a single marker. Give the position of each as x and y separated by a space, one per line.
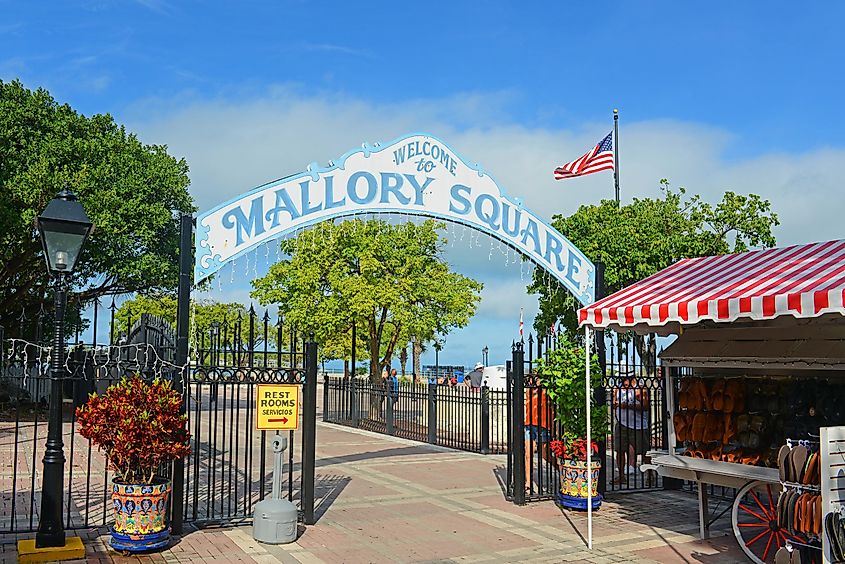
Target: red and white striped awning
802 281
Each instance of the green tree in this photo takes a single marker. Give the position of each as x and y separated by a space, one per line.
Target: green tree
390 279
639 239
132 192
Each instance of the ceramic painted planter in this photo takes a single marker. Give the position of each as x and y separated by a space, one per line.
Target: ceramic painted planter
140 516
573 484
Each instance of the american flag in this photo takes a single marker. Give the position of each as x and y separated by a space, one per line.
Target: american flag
596 159
521 324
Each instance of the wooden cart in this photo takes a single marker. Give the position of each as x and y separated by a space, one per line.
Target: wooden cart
753 509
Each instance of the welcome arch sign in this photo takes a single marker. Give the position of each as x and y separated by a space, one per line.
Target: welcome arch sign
417 175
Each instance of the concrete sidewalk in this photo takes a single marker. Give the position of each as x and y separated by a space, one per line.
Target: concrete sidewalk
382 499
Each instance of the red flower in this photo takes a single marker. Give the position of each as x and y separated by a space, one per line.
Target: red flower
573 449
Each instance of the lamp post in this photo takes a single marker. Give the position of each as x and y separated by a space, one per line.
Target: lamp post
484 352
63 228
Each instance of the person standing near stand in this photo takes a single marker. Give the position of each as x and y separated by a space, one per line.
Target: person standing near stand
631 431
537 426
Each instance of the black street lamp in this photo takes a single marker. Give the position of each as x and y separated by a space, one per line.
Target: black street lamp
63 227
484 352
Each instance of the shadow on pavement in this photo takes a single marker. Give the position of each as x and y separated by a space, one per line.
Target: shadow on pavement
326 490
326 460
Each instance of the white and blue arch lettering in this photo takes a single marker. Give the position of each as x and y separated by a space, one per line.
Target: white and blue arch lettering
418 174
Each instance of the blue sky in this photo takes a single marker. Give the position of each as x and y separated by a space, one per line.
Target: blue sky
727 95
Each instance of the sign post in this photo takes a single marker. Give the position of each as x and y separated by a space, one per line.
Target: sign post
277 407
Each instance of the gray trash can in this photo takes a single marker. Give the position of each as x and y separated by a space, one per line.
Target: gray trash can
275 520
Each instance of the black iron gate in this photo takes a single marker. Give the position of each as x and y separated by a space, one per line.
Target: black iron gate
230 466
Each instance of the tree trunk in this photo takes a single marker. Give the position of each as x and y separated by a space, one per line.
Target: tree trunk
376 382
403 358
416 354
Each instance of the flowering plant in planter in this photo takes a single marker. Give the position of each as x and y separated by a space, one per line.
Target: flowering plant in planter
139 425
562 374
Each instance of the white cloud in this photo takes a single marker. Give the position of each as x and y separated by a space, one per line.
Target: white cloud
232 146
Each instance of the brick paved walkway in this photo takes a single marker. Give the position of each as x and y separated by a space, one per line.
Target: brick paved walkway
389 500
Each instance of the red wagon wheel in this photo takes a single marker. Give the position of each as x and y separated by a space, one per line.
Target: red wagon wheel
755 523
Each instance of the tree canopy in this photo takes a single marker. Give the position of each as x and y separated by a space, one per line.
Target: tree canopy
639 239
389 279
133 193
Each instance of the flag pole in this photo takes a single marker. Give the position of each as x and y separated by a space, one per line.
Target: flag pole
589 443
616 153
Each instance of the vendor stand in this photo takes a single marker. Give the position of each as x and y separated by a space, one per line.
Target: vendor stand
759 363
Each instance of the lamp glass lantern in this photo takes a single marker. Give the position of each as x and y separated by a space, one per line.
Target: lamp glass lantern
63 227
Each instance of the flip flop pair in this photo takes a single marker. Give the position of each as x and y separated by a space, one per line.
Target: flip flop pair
811 473
797 459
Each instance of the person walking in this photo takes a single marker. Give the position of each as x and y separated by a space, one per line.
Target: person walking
393 386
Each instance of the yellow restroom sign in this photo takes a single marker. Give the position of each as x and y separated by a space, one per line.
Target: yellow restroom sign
277 407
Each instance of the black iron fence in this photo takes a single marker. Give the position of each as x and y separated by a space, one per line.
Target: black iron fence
25 386
229 468
459 417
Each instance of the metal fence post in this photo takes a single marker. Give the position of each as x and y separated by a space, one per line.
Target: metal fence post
309 429
518 422
326 397
432 412
353 386
183 315
599 392
485 420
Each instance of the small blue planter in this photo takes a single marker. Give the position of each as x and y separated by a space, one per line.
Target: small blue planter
577 503
138 543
